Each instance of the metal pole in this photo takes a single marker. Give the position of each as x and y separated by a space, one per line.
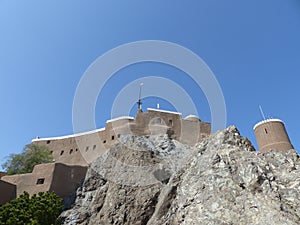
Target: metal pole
262 112
140 94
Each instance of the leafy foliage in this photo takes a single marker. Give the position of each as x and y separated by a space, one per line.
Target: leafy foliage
43 208
31 155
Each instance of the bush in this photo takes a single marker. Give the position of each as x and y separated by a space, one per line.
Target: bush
31 155
43 208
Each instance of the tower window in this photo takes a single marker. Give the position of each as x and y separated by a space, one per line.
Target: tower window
62 152
157 121
171 122
94 147
48 142
87 148
40 181
71 151
104 141
266 130
113 137
119 135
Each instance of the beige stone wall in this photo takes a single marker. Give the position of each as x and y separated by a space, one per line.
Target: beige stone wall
29 182
82 149
66 179
57 177
153 121
193 132
7 192
271 134
64 150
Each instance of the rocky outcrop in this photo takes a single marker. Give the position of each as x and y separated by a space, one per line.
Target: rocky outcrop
222 180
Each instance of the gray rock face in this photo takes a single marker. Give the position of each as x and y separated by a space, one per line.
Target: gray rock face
222 180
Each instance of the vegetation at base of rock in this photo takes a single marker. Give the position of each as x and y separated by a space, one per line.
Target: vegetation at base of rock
24 162
43 208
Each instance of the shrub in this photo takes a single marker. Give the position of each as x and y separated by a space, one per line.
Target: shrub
42 208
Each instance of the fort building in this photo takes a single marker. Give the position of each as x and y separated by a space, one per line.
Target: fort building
271 134
84 148
73 153
56 177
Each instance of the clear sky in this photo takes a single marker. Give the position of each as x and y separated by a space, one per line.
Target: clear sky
252 47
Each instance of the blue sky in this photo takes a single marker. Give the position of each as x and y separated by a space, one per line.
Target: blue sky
252 47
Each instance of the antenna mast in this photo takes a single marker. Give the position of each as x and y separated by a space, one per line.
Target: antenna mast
139 102
262 112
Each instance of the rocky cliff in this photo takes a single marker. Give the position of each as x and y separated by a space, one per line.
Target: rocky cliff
222 180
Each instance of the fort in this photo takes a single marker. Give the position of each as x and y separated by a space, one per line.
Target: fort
73 153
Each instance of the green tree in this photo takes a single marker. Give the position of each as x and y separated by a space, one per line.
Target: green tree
43 208
24 162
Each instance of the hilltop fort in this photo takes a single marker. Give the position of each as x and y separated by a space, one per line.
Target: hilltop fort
74 153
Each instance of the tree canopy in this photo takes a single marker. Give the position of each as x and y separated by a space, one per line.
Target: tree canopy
43 208
24 162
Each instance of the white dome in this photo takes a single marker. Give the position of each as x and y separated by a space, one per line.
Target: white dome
192 118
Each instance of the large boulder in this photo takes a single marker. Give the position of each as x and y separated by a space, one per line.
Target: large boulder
222 180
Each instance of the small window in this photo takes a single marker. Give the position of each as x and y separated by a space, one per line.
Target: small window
157 121
40 181
171 122
48 142
113 137
51 152
71 151
76 150
104 141
87 148
266 130
119 135
62 152
94 147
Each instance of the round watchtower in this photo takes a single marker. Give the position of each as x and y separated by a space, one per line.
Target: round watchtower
271 134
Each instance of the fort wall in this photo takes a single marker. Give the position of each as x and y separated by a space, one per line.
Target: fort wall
83 148
38 181
60 178
73 153
7 192
66 179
